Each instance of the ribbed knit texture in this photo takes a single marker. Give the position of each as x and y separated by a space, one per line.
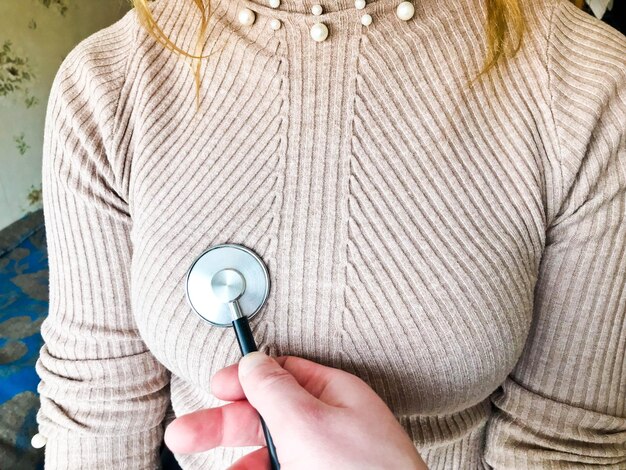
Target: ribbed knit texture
463 250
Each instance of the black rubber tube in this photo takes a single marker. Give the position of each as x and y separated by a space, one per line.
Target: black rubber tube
246 345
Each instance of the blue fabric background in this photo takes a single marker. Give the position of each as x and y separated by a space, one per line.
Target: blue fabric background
23 306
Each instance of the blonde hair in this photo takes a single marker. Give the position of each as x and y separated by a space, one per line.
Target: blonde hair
504 22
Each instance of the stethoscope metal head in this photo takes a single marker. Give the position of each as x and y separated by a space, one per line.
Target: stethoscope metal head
225 282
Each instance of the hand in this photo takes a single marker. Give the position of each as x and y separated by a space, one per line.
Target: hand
318 416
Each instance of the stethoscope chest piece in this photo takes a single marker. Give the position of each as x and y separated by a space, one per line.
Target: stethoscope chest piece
226 285
226 282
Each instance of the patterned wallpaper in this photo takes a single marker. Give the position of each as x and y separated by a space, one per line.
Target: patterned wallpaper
35 36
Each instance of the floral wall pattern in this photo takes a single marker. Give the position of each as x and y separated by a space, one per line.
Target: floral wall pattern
35 36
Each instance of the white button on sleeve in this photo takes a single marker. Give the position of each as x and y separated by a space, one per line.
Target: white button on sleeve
38 441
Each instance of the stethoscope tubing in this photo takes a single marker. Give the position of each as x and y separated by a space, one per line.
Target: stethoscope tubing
246 345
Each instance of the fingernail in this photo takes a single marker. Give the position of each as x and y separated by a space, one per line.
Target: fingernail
250 361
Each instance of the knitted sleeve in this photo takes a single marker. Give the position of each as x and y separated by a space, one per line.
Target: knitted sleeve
564 404
103 394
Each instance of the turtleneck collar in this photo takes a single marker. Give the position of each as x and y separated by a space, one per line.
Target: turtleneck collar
300 10
304 6
178 17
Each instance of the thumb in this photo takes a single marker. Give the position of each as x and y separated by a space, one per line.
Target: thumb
273 391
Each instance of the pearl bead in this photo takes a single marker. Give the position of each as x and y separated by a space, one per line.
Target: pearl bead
405 11
38 441
275 24
359 4
319 32
366 20
274 3
317 10
246 16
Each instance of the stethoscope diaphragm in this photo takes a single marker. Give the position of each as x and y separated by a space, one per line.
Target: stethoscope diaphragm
222 271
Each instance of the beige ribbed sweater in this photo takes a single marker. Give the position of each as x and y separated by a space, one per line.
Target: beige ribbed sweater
462 250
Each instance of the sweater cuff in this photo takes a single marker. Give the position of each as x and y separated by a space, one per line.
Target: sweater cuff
75 451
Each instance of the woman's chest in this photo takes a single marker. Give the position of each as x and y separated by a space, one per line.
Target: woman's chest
402 243
415 272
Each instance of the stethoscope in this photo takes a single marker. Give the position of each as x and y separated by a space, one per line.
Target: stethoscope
226 285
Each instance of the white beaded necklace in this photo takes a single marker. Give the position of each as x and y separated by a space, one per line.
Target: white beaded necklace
319 31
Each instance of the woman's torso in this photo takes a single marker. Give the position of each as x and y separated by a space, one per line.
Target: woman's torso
401 215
